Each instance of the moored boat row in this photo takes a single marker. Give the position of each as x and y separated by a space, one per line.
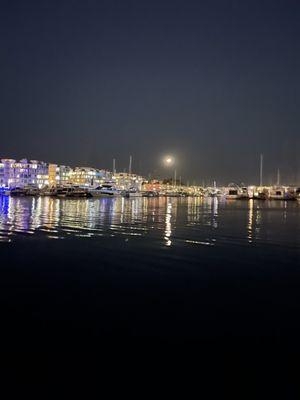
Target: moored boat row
231 192
274 193
68 191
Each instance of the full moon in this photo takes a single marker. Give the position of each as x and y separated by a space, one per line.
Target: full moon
169 160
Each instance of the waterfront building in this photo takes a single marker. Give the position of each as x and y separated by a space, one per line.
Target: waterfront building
7 172
151 186
53 175
124 181
64 175
3 183
23 173
42 173
85 176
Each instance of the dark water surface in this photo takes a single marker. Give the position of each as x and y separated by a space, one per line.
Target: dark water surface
83 271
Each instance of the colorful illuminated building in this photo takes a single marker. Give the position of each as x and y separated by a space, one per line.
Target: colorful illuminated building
124 181
152 186
53 175
2 175
64 175
23 173
85 176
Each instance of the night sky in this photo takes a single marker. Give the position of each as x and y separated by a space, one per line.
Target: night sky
214 83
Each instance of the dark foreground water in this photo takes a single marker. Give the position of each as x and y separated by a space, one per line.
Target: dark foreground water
80 272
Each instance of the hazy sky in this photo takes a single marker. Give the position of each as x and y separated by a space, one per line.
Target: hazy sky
214 83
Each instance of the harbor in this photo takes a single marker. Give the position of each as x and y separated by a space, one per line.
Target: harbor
36 178
230 193
150 194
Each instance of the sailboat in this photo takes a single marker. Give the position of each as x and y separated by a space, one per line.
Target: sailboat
279 192
260 193
213 191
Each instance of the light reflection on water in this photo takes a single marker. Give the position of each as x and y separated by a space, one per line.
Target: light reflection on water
163 221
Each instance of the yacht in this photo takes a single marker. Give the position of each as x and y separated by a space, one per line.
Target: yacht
49 191
259 196
234 192
16 192
72 192
78 192
258 193
171 194
243 195
282 193
132 192
61 191
105 190
31 190
150 193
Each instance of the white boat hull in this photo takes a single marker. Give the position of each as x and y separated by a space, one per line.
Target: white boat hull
134 195
99 195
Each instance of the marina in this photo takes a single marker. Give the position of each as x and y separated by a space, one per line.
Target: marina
232 192
38 178
150 194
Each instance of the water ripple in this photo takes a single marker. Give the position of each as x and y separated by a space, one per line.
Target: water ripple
159 221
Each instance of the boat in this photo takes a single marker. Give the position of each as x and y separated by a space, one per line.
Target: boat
277 194
258 193
259 196
72 192
234 192
213 191
182 193
243 195
172 194
150 194
16 192
24 191
31 190
106 190
282 193
49 191
132 192
78 193
61 191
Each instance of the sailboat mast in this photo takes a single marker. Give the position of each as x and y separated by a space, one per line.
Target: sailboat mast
261 170
130 165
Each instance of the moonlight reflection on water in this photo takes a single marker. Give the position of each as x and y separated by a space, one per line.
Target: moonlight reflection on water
158 221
